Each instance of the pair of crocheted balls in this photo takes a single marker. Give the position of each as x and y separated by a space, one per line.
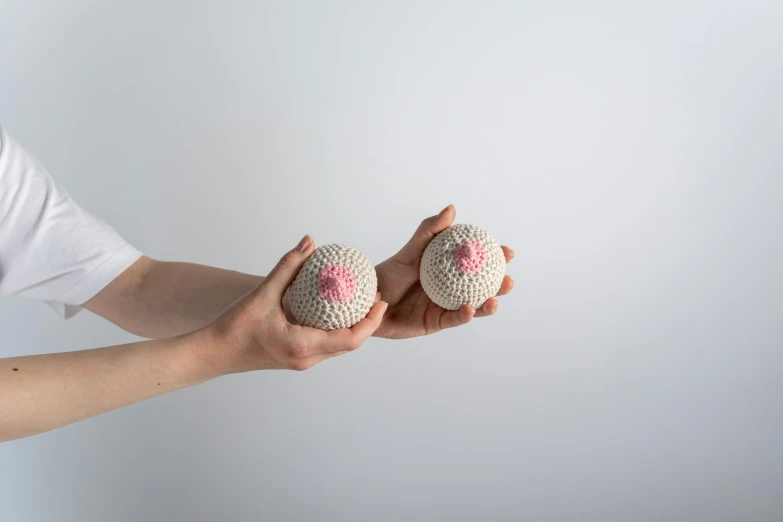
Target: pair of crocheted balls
337 285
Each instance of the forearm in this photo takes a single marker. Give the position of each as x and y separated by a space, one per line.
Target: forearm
42 392
158 299
39 393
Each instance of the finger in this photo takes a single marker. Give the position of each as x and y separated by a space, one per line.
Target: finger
283 274
377 297
506 285
452 318
489 307
508 253
348 339
412 251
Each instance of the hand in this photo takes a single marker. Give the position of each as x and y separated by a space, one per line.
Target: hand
254 334
411 313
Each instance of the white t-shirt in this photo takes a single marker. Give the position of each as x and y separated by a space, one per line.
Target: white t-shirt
50 248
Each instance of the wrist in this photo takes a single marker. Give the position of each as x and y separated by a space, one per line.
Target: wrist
209 353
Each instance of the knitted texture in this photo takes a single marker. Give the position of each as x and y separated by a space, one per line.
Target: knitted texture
335 288
463 264
470 256
337 283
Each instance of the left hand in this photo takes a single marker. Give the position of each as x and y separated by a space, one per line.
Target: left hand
411 313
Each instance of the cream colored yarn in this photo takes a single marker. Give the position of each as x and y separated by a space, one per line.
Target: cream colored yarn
450 287
307 303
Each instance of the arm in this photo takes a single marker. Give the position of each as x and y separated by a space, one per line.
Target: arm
42 392
160 299
157 299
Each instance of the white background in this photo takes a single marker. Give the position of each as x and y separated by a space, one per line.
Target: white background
629 152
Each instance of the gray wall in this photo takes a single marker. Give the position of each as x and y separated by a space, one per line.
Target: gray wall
631 155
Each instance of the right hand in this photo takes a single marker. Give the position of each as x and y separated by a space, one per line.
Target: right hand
254 334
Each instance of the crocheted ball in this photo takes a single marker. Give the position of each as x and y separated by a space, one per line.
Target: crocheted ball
463 264
335 288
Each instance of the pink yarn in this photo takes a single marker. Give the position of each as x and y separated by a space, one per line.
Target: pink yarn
470 256
336 283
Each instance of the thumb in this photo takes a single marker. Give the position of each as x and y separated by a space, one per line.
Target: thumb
284 272
429 228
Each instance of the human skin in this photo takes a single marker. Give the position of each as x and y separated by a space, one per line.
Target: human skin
206 322
42 392
411 313
157 299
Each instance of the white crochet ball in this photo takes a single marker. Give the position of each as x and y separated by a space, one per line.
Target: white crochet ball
335 288
462 265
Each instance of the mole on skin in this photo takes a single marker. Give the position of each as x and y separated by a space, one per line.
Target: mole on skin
16 369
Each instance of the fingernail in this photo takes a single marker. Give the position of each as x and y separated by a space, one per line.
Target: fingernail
384 306
446 209
303 244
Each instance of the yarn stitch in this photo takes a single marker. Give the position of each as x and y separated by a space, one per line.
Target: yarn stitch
335 288
462 265
470 256
336 283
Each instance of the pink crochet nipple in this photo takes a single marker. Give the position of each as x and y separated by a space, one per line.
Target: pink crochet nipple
336 283
470 256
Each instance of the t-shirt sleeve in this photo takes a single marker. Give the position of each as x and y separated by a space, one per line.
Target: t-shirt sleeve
51 249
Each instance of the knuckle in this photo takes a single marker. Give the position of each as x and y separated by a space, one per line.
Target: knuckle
425 224
296 351
300 366
353 344
289 260
427 227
